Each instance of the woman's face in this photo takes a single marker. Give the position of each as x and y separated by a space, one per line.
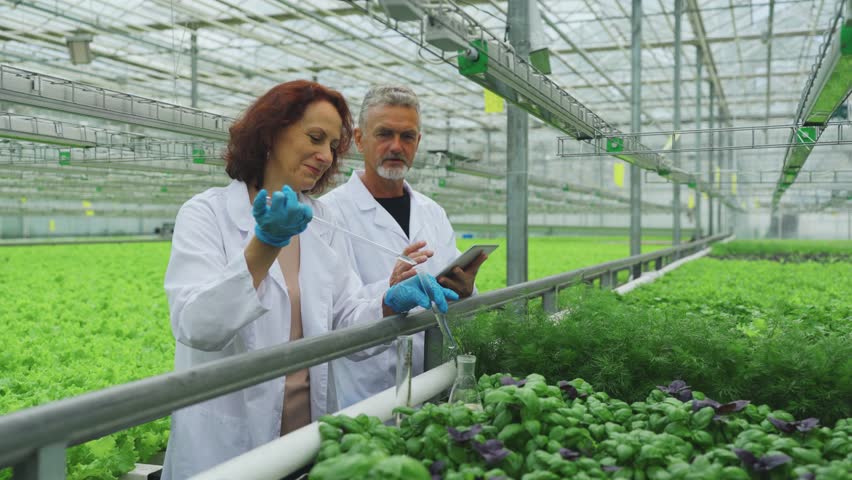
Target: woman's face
303 152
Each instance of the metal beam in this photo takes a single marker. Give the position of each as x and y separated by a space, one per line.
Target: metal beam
636 126
517 156
698 64
696 42
769 55
694 14
678 13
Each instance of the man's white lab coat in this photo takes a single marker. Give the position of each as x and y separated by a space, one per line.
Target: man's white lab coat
356 208
216 313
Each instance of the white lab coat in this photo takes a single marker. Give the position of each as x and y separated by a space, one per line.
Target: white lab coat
356 208
217 313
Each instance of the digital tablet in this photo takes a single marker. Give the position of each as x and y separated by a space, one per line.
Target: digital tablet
467 258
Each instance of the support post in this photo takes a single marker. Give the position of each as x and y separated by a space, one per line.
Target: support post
676 139
433 348
607 280
548 301
517 151
698 63
47 463
193 59
710 160
636 127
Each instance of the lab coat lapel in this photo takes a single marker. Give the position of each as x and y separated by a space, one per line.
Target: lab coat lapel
365 201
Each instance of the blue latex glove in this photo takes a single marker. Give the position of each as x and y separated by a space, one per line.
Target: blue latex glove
278 222
408 294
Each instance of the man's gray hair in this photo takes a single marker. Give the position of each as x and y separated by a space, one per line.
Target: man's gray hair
388 95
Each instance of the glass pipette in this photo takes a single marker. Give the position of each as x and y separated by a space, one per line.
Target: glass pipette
398 256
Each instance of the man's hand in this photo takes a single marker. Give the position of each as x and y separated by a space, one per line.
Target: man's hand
461 279
403 271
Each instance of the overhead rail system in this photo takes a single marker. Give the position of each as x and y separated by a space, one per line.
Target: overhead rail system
829 84
494 65
479 171
767 177
742 138
53 93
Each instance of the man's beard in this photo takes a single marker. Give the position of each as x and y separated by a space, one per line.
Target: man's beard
392 173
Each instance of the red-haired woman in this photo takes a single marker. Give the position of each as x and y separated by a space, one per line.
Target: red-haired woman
247 274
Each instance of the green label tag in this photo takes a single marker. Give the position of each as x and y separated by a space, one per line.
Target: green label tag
198 155
65 158
469 66
806 135
614 144
442 182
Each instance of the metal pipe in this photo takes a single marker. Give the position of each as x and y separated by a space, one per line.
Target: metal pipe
517 151
675 139
698 62
710 160
636 127
719 157
193 58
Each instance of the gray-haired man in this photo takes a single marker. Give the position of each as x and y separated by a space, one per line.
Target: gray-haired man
379 204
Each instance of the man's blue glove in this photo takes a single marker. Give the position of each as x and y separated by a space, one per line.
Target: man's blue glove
278 222
408 294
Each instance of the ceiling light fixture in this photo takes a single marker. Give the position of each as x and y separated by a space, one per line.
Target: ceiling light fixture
78 48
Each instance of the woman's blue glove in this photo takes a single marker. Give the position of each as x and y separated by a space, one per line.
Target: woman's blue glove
408 294
278 222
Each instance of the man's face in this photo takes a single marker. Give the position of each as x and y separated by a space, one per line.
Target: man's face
389 140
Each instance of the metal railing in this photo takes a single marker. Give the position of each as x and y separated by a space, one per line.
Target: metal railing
33 441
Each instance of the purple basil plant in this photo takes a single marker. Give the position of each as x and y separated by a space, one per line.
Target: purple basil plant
678 389
762 464
511 381
802 426
570 390
720 408
466 436
492 451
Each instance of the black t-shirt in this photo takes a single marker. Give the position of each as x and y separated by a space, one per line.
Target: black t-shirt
399 208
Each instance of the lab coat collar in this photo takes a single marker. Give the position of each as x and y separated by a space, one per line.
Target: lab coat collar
365 202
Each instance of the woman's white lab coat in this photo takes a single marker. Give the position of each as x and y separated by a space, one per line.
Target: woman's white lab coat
359 212
216 313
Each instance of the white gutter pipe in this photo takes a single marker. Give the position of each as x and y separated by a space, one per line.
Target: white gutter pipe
651 276
291 452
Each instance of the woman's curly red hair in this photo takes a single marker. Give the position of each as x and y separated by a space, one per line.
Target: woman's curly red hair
253 134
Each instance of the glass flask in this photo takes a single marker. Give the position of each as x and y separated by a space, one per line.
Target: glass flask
465 388
404 351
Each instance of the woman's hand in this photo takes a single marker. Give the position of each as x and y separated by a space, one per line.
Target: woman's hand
402 270
285 217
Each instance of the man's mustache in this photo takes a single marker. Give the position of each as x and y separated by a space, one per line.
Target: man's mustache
396 157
